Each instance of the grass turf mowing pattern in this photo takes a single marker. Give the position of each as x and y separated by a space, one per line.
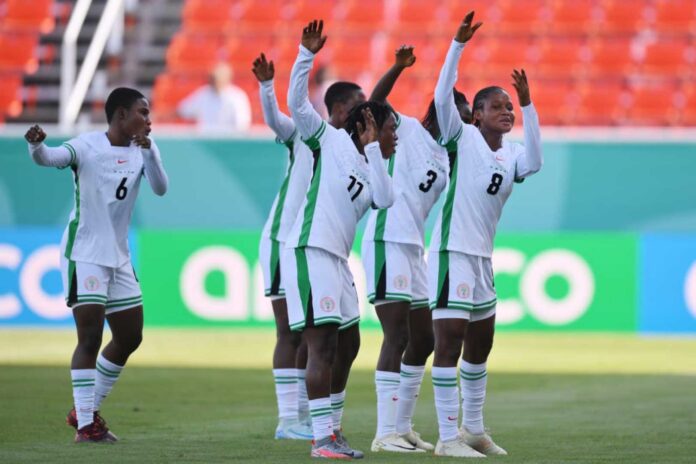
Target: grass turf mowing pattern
228 415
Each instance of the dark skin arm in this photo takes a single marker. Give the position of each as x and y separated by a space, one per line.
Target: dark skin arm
521 86
404 59
263 69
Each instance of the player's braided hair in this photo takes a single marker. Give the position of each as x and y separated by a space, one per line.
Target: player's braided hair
429 121
120 97
481 96
380 111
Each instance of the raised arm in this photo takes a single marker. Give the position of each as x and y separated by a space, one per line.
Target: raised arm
307 120
447 115
404 59
152 162
380 180
59 157
280 123
531 161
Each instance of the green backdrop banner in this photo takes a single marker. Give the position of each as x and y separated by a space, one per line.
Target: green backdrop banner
230 184
555 282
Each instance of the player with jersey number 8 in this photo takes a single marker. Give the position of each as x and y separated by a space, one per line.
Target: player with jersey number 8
460 275
98 278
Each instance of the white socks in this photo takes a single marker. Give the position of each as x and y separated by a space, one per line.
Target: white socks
473 379
446 401
387 386
321 412
337 401
83 395
286 392
107 375
409 388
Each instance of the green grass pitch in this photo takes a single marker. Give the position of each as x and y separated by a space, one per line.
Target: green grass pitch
207 396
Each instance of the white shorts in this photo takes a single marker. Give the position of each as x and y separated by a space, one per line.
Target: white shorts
320 289
86 283
395 272
270 252
461 286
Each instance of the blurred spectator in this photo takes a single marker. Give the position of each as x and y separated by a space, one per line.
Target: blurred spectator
219 105
322 80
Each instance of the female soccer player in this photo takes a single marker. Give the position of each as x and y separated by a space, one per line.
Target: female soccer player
348 176
392 252
290 354
98 278
460 276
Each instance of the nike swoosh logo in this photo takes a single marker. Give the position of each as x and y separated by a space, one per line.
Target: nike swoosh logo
499 158
409 448
121 161
451 418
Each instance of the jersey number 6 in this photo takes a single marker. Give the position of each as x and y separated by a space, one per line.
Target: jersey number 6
353 183
122 191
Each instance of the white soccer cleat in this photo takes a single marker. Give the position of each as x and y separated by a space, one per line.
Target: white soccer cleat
394 443
482 443
292 429
415 439
456 448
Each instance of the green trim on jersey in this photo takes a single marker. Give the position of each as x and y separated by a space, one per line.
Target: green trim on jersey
442 269
451 144
313 141
73 155
397 116
312 195
349 324
72 227
448 206
380 265
278 213
303 283
381 222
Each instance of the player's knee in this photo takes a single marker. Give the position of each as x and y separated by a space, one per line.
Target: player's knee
447 350
90 341
396 339
129 343
423 343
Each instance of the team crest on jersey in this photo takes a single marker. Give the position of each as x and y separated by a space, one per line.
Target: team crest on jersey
400 282
463 291
92 283
327 304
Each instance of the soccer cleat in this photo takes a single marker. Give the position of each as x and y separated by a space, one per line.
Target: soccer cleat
71 420
415 439
456 448
393 442
94 433
292 429
482 443
345 446
327 448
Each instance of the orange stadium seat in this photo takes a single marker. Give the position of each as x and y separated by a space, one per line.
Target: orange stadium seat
362 16
265 16
417 16
307 10
609 58
675 17
515 18
18 52
502 56
193 53
351 54
687 116
622 17
600 104
10 98
653 106
22 15
210 16
571 18
241 51
169 90
668 58
554 102
560 58
485 11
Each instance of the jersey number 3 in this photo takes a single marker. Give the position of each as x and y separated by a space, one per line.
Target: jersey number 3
428 184
122 190
353 183
496 181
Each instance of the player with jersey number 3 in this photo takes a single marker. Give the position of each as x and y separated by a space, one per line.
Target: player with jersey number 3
460 276
98 277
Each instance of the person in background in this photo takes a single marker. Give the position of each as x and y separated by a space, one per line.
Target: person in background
218 106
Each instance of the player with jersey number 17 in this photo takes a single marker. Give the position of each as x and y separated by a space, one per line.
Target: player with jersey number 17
98 278
460 275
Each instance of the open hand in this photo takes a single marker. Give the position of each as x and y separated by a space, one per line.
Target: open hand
367 132
467 29
263 70
312 39
35 134
521 86
404 56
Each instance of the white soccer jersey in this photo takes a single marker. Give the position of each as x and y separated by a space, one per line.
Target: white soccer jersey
107 179
481 180
292 191
343 184
419 173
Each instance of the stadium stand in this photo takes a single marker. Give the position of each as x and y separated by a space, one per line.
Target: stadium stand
600 58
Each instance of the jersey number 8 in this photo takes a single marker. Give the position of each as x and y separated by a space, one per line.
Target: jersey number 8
496 181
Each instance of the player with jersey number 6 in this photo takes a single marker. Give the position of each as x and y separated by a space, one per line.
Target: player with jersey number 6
460 276
348 176
98 278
